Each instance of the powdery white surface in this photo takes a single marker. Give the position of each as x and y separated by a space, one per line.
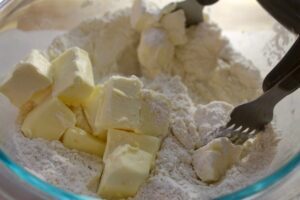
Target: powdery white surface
207 64
174 177
110 42
207 68
51 161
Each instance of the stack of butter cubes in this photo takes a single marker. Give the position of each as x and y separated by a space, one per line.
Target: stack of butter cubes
118 120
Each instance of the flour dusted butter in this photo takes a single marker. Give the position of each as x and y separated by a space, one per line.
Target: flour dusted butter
144 14
49 120
116 138
121 103
81 120
73 76
30 77
92 109
174 23
126 169
154 114
76 138
212 161
155 51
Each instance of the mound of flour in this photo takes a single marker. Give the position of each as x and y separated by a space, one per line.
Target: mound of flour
191 85
173 176
207 64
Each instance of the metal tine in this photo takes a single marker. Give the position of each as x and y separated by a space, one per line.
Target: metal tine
244 129
236 127
259 112
239 128
252 134
228 133
234 136
250 130
244 137
229 124
238 134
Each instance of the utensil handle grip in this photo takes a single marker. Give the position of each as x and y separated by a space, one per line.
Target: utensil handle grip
207 2
284 11
292 81
287 85
287 64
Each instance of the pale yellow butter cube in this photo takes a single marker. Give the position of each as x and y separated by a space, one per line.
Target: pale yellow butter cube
154 114
213 160
29 77
73 76
116 138
174 23
41 96
126 169
93 183
36 99
131 86
144 14
49 120
121 103
76 138
230 152
81 120
209 165
155 51
119 111
93 108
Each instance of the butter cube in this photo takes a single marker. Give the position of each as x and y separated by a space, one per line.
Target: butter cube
213 160
49 120
73 76
121 103
93 108
76 138
144 14
41 96
155 51
116 138
209 165
174 23
131 86
126 169
230 152
81 120
36 99
154 114
29 77
93 183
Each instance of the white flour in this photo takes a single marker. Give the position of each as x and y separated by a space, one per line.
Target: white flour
174 177
50 161
208 67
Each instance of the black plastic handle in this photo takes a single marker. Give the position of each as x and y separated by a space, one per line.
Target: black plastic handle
286 65
287 12
287 85
207 2
292 81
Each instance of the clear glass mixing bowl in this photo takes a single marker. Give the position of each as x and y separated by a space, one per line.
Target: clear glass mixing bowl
31 24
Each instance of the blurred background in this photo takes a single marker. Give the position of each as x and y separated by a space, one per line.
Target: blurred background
243 20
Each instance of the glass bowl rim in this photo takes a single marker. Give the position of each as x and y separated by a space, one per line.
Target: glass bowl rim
56 192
